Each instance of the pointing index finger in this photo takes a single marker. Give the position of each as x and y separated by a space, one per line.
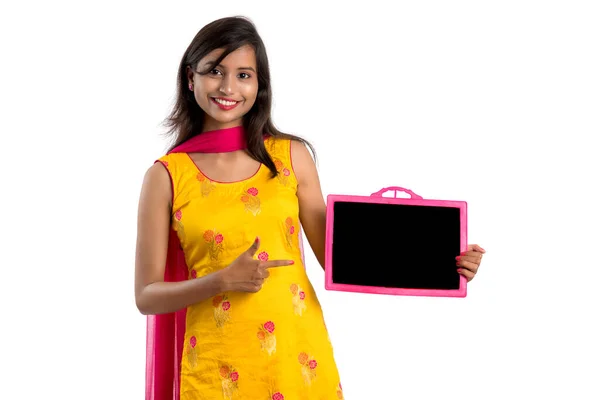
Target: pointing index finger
278 263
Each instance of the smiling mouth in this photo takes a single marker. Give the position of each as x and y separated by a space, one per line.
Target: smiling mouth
224 104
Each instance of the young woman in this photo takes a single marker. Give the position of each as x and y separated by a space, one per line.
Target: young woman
219 265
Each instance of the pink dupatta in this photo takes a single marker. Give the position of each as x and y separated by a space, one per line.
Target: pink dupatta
165 332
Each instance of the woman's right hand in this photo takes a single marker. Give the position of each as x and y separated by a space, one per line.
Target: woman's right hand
246 274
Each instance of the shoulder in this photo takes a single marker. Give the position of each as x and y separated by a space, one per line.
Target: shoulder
158 170
174 164
284 145
299 149
157 174
157 180
163 167
302 161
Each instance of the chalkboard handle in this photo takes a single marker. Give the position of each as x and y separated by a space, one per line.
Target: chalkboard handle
396 189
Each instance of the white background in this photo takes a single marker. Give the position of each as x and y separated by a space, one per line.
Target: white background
492 102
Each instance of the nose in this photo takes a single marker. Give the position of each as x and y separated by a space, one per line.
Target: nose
227 84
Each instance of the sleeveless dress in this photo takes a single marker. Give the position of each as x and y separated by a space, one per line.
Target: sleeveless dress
270 345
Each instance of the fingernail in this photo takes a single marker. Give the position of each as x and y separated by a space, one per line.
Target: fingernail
458 257
256 240
459 270
291 262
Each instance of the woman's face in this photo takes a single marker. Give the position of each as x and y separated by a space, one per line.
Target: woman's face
229 90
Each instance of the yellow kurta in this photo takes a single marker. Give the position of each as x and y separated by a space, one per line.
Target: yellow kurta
270 345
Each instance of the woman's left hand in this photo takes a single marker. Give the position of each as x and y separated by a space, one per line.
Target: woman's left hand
469 261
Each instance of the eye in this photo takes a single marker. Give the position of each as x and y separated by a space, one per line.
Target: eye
214 72
244 75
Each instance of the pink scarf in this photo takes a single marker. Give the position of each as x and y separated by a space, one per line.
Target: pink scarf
217 141
165 332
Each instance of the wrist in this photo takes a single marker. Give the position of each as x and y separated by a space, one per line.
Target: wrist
221 281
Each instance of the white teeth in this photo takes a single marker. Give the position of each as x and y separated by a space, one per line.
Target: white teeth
225 103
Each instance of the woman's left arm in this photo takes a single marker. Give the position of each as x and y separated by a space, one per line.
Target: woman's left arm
313 213
310 199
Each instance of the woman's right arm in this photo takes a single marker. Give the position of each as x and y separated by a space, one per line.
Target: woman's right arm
152 294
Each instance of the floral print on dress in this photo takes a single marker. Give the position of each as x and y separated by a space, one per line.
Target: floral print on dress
193 274
221 307
308 367
277 396
251 201
266 336
263 256
191 353
229 381
340 392
178 225
206 185
298 297
283 172
215 243
290 230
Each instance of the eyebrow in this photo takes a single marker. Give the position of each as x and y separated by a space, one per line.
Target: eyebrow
211 63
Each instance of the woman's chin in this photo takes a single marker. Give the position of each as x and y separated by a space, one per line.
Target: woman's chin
223 120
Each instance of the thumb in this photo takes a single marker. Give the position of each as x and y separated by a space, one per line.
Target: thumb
254 248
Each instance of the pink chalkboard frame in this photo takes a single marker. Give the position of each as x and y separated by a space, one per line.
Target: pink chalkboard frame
378 198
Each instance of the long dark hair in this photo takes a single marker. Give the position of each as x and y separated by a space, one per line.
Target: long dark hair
186 119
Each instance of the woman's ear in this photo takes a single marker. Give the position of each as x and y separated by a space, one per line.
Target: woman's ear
190 77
